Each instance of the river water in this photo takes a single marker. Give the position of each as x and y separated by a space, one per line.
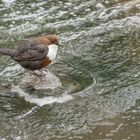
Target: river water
99 68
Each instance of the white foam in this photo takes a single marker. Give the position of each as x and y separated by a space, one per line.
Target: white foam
8 2
27 113
10 70
42 101
99 5
3 139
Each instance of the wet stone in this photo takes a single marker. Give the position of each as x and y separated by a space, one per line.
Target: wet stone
41 80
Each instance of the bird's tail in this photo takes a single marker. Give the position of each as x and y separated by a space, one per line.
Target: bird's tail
7 51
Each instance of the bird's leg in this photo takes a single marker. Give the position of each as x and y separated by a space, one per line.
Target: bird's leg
39 72
32 73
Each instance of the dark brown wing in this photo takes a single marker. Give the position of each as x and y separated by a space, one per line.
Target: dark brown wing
30 51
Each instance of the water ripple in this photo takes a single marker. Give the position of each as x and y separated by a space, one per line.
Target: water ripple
98 68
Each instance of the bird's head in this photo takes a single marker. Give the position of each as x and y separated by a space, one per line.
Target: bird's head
53 39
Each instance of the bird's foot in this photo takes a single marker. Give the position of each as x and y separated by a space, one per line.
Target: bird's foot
38 73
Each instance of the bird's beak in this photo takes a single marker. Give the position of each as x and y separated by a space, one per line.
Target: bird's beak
61 45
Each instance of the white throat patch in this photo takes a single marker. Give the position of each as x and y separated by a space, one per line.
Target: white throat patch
52 52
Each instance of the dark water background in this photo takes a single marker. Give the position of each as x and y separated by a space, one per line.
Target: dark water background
99 68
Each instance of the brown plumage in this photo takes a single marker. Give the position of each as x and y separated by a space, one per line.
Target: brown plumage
35 53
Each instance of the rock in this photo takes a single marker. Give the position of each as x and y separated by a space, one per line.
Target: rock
41 80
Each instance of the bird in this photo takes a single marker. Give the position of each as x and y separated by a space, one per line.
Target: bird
34 53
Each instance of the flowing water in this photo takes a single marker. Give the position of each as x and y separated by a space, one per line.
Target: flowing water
99 69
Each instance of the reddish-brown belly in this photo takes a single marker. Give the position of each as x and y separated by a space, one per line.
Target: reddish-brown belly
45 62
